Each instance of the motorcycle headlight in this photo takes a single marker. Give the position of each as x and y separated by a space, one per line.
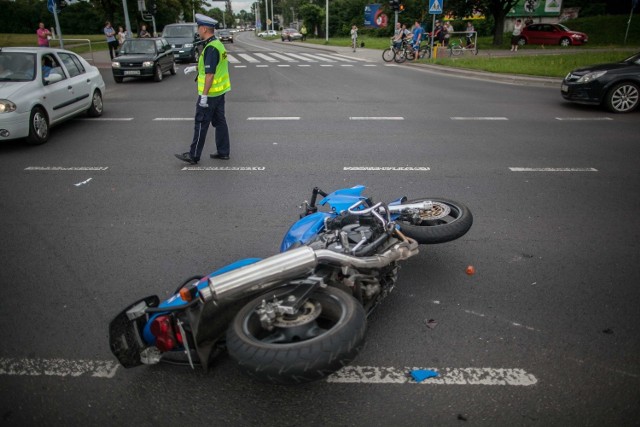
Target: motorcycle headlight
589 77
7 106
147 64
188 45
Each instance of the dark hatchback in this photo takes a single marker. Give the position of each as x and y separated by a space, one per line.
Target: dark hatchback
616 86
149 57
184 39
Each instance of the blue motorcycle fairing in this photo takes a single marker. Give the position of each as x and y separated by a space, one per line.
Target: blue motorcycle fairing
304 229
176 300
341 200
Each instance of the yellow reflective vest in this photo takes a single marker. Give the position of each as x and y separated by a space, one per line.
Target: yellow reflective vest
221 83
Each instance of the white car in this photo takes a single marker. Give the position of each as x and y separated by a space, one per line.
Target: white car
269 33
41 87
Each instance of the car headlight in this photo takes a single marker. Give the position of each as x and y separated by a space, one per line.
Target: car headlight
188 45
147 64
7 106
115 64
589 77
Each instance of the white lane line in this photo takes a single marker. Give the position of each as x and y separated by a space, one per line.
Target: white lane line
369 65
239 66
284 65
304 65
479 118
106 119
348 375
262 66
446 376
58 367
223 168
376 118
346 65
386 168
62 168
516 169
326 65
583 118
172 119
273 118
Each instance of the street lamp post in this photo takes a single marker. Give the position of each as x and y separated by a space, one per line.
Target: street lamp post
326 35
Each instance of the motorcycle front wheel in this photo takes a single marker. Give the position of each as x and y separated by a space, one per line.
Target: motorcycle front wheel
447 220
326 334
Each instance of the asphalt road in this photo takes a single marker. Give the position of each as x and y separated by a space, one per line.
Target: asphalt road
544 333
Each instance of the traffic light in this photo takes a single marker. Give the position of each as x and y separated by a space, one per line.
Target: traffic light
401 8
60 4
153 7
394 4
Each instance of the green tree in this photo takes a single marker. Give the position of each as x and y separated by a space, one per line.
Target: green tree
496 9
313 16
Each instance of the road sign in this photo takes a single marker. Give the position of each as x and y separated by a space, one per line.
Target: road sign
50 5
435 7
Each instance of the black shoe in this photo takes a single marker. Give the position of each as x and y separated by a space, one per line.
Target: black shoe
219 156
186 157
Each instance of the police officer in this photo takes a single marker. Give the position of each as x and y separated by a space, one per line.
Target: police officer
213 83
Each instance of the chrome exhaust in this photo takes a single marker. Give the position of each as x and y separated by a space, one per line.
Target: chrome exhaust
293 264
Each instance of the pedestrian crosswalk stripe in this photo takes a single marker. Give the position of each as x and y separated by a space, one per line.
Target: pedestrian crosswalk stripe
232 59
336 58
249 58
266 57
318 57
284 58
302 57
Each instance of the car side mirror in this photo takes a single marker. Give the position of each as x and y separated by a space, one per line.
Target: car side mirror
53 78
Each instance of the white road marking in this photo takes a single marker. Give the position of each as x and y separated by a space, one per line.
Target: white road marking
58 367
284 65
248 58
262 66
83 182
304 65
232 59
326 65
61 168
386 168
317 58
369 65
172 119
335 57
479 118
303 58
376 118
583 118
265 57
284 58
346 65
273 118
107 369
446 376
239 66
223 168
515 169
107 119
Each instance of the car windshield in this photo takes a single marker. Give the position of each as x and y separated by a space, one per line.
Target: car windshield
182 31
139 47
563 28
223 32
17 66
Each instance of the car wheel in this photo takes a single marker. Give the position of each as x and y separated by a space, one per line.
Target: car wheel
565 41
172 70
38 127
157 75
95 110
522 41
623 97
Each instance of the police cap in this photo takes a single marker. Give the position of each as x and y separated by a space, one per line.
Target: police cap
205 20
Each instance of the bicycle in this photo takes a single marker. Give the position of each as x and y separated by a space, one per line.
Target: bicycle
457 47
389 53
408 52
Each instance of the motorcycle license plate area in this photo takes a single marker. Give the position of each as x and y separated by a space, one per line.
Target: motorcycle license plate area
125 333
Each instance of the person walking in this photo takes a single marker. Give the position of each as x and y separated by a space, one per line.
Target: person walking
515 36
43 35
110 34
303 31
213 82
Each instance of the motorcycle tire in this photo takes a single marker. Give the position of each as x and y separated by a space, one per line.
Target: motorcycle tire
285 355
435 228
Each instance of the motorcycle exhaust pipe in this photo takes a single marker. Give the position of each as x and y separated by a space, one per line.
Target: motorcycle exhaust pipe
293 264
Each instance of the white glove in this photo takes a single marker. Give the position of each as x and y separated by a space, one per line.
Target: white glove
191 69
203 101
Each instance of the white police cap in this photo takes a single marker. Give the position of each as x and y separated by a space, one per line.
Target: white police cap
205 20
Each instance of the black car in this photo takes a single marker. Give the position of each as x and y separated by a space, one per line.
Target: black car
224 36
147 57
616 86
184 39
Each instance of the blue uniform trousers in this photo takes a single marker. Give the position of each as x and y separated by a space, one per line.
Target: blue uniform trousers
212 114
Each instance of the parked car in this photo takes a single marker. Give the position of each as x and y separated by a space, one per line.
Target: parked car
616 86
290 34
268 33
42 87
551 34
224 36
151 57
183 39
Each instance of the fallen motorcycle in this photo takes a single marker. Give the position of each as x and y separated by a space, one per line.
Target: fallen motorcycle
300 315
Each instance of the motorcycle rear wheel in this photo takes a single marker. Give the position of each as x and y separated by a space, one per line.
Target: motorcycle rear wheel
285 356
438 225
